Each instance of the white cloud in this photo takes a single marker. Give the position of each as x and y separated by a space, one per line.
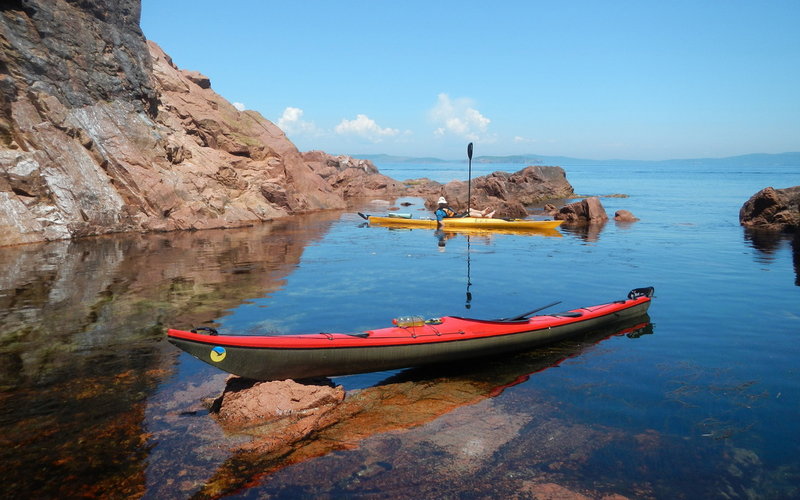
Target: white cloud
291 122
458 117
240 106
364 126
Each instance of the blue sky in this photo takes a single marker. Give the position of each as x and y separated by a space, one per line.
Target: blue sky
613 79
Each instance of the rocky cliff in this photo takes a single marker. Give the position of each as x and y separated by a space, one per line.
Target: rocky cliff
100 132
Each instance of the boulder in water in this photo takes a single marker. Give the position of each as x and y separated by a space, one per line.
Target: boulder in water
773 209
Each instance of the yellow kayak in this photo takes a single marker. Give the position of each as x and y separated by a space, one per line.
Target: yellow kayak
456 223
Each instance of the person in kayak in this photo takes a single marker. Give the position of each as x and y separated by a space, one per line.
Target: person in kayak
443 211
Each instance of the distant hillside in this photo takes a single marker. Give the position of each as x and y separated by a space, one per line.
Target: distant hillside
749 160
397 159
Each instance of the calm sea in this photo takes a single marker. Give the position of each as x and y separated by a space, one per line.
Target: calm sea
702 400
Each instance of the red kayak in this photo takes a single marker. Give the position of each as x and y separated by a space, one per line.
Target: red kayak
412 342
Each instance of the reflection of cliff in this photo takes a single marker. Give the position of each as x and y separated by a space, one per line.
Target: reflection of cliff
80 347
586 232
410 399
796 257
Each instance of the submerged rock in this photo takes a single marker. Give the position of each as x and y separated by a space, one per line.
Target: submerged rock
246 403
773 209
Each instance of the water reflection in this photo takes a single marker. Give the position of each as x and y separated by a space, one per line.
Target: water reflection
406 400
587 232
768 243
796 258
444 235
484 237
82 342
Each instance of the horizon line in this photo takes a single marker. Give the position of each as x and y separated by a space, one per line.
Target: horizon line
533 156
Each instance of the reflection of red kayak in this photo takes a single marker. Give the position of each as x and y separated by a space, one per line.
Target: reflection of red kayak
423 342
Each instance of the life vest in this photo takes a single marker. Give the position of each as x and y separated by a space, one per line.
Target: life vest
448 212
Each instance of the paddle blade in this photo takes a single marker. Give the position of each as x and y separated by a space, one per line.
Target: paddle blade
469 150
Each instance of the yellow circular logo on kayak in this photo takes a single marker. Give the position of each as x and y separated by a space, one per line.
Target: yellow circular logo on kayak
218 354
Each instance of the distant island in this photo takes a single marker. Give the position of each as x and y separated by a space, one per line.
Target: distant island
398 159
749 160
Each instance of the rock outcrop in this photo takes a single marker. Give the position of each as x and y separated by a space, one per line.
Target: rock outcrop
586 211
100 132
352 178
507 193
773 209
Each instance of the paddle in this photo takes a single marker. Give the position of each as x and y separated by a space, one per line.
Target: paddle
523 316
469 178
469 199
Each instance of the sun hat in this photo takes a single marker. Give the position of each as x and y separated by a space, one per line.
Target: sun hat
442 201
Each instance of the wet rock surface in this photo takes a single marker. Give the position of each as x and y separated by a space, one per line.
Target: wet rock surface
247 402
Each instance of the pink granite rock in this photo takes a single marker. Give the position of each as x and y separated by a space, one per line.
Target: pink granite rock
624 216
586 211
773 209
246 403
507 193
